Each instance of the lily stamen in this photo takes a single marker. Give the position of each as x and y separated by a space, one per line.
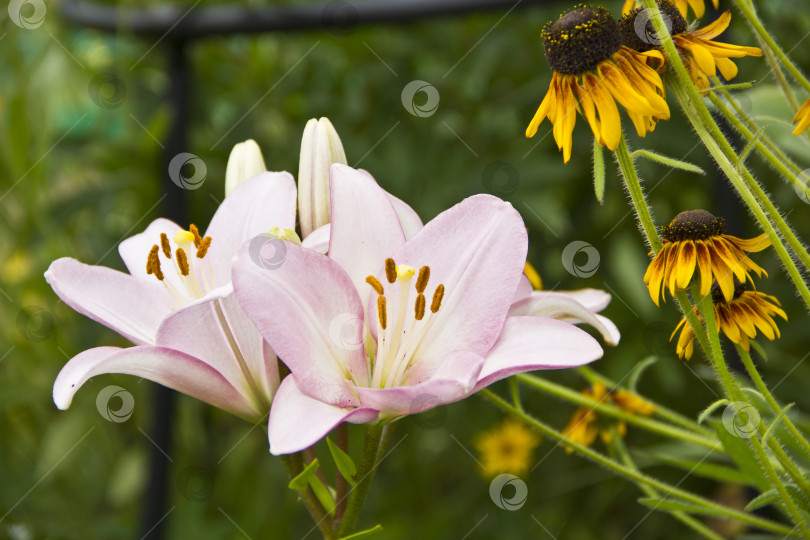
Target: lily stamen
164 245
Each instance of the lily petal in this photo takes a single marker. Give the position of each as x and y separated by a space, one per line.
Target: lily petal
297 421
408 218
532 343
167 367
565 307
452 381
132 307
318 240
477 250
265 201
219 333
365 226
134 249
308 310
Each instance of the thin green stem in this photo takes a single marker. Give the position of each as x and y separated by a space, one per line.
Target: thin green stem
365 474
621 449
294 465
562 392
634 475
751 17
660 410
341 484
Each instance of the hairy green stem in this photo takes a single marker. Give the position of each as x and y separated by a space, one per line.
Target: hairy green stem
621 449
562 392
634 475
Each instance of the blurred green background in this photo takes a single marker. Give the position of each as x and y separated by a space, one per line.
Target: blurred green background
77 177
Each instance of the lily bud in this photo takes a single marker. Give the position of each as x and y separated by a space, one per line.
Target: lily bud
320 149
245 162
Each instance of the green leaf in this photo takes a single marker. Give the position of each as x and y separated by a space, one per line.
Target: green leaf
363 534
775 422
772 496
638 370
343 461
598 171
668 161
308 479
300 482
669 505
740 451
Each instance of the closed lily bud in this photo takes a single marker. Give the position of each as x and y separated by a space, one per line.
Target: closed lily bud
245 162
320 149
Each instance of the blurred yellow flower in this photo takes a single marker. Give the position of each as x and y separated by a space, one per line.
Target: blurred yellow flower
507 448
802 118
585 425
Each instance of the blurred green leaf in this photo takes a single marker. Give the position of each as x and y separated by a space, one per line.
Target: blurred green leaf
343 461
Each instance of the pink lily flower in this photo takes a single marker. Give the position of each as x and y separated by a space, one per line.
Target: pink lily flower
388 325
177 305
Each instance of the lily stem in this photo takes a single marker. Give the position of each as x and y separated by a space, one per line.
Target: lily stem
365 474
294 465
341 484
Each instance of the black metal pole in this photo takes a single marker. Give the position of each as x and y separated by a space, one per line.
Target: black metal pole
174 207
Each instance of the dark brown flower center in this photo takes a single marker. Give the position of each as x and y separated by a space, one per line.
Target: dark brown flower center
717 293
638 33
693 225
580 39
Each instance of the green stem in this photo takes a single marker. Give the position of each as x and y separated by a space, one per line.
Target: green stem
766 393
634 475
294 465
514 389
732 390
664 412
365 474
341 484
753 20
621 449
746 127
654 426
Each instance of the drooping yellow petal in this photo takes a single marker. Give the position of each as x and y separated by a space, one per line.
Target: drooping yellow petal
711 31
542 110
